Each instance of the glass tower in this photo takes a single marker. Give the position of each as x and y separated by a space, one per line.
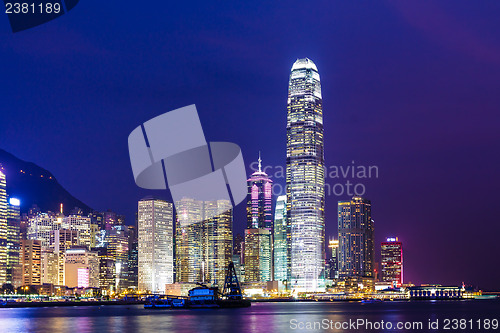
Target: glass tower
281 241
155 244
203 248
259 200
356 242
3 228
392 262
305 176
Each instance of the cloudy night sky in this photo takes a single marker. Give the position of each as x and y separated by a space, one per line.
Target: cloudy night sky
412 87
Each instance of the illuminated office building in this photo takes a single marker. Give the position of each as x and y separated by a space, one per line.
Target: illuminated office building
258 237
392 262
31 262
305 176
50 266
259 200
40 225
82 224
107 270
281 241
117 245
258 255
132 257
333 260
155 244
189 240
81 268
3 227
356 240
219 240
13 242
204 247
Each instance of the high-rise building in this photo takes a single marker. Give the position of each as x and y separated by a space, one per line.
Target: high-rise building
305 176
155 244
107 270
3 227
258 235
81 268
50 266
31 263
82 224
189 241
117 245
259 200
132 257
204 246
13 243
258 255
333 260
219 240
281 241
392 262
356 239
40 225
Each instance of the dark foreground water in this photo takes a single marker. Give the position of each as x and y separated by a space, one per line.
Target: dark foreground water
475 316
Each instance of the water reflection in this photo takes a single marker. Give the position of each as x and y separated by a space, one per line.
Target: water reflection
261 317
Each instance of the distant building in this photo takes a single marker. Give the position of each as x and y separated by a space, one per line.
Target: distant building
333 260
155 245
40 225
356 239
132 257
258 255
107 270
13 243
204 246
117 245
81 268
392 262
82 224
259 210
31 264
281 241
50 266
3 227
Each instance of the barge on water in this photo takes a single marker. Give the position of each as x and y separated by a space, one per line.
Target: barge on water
204 296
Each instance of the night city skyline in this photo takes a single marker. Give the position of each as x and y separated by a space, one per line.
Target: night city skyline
419 102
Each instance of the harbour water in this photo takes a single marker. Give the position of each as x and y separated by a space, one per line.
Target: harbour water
261 317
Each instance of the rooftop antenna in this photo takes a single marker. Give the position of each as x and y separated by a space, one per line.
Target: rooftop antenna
260 163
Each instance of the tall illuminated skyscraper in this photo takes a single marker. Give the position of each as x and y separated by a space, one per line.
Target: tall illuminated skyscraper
13 242
3 228
204 247
392 262
155 244
281 241
356 239
259 200
305 176
258 235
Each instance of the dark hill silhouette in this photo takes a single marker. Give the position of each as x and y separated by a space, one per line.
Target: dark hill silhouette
35 185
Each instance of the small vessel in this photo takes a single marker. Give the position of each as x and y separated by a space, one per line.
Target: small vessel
157 303
203 297
483 297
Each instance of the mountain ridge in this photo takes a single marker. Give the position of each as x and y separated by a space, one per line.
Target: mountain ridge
32 184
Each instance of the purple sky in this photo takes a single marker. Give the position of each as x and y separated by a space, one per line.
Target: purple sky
412 87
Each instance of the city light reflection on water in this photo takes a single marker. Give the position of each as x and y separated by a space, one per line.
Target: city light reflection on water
261 317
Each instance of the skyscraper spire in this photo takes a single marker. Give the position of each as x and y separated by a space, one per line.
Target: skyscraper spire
260 163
